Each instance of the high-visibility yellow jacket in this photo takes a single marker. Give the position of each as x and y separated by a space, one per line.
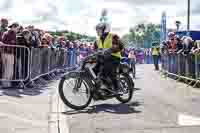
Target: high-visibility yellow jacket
155 51
108 44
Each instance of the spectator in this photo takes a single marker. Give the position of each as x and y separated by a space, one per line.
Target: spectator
92 48
75 45
36 34
60 43
172 47
155 54
34 38
172 44
95 45
165 47
63 43
196 47
84 51
67 44
1 63
168 42
125 52
44 43
3 27
20 30
187 45
23 39
9 38
49 38
71 54
179 44
132 61
41 34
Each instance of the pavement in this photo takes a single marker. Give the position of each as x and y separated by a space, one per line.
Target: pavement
160 105
24 111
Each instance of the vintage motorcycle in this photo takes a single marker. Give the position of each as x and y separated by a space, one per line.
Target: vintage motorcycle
83 81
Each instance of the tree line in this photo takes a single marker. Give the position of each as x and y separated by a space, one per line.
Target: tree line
142 35
71 36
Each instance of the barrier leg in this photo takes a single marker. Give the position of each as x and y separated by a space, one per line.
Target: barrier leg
31 84
22 84
41 81
190 83
51 76
197 82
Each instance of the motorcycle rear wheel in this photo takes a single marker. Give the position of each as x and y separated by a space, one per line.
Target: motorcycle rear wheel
66 99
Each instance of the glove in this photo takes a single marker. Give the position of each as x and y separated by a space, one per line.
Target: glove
108 52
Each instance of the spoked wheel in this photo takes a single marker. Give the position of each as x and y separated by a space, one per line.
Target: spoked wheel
75 91
127 87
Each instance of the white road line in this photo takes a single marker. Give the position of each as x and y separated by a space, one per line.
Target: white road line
58 120
64 127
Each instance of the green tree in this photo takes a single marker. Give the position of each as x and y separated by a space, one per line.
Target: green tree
71 35
142 33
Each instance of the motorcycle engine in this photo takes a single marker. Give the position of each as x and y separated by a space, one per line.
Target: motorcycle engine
103 86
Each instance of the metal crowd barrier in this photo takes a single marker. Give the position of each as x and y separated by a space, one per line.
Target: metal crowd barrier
47 60
14 62
22 64
182 66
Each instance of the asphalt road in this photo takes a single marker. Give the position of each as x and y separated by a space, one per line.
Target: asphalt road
160 105
24 111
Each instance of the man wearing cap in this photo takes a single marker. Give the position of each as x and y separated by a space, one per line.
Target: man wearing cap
10 36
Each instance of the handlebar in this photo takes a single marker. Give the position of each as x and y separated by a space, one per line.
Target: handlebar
98 53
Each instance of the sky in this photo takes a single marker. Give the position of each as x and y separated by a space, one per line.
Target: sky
82 15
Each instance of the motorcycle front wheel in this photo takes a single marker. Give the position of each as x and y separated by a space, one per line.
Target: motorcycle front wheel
74 91
127 87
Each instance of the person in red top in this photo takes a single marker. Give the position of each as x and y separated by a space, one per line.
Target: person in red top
10 36
172 39
8 54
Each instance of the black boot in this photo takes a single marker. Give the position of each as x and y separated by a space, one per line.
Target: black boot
117 87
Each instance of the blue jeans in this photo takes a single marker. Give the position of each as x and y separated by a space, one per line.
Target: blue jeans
156 60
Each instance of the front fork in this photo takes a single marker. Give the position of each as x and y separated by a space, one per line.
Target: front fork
78 83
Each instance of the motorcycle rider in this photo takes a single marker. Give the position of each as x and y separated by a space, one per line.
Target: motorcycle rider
112 56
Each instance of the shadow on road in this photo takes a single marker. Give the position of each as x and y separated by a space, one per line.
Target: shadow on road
39 87
20 92
109 108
